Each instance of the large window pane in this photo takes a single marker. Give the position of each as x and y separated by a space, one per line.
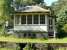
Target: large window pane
29 19
17 19
23 19
42 19
35 19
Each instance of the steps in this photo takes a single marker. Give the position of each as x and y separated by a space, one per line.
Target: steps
50 35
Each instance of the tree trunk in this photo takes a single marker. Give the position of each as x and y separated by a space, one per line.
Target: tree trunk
22 45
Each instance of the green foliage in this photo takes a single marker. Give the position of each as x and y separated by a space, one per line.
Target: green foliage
65 28
57 6
60 7
7 48
28 47
38 1
24 40
7 7
26 2
5 11
2 17
61 48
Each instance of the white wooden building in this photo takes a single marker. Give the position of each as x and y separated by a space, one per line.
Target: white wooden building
33 20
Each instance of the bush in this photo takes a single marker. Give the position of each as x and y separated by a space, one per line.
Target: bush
65 28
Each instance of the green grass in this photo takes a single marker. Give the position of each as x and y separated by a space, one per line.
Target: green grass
62 48
54 40
7 49
22 40
29 40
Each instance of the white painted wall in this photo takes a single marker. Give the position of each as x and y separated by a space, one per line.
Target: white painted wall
31 28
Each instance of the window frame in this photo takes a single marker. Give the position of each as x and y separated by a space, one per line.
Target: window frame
21 19
41 19
35 20
29 19
17 19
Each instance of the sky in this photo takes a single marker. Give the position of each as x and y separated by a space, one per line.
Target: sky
49 2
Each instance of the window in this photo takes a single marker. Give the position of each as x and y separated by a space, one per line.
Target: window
17 19
35 19
23 19
32 19
42 19
29 19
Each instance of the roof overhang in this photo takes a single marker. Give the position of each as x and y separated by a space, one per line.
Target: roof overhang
30 13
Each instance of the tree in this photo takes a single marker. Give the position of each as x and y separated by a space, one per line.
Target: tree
65 28
5 10
29 1
60 7
38 1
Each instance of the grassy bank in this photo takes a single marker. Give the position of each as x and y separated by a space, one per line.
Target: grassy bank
26 40
22 40
7 49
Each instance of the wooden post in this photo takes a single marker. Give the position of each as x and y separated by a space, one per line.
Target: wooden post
14 20
46 20
54 28
39 19
32 19
26 19
20 20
